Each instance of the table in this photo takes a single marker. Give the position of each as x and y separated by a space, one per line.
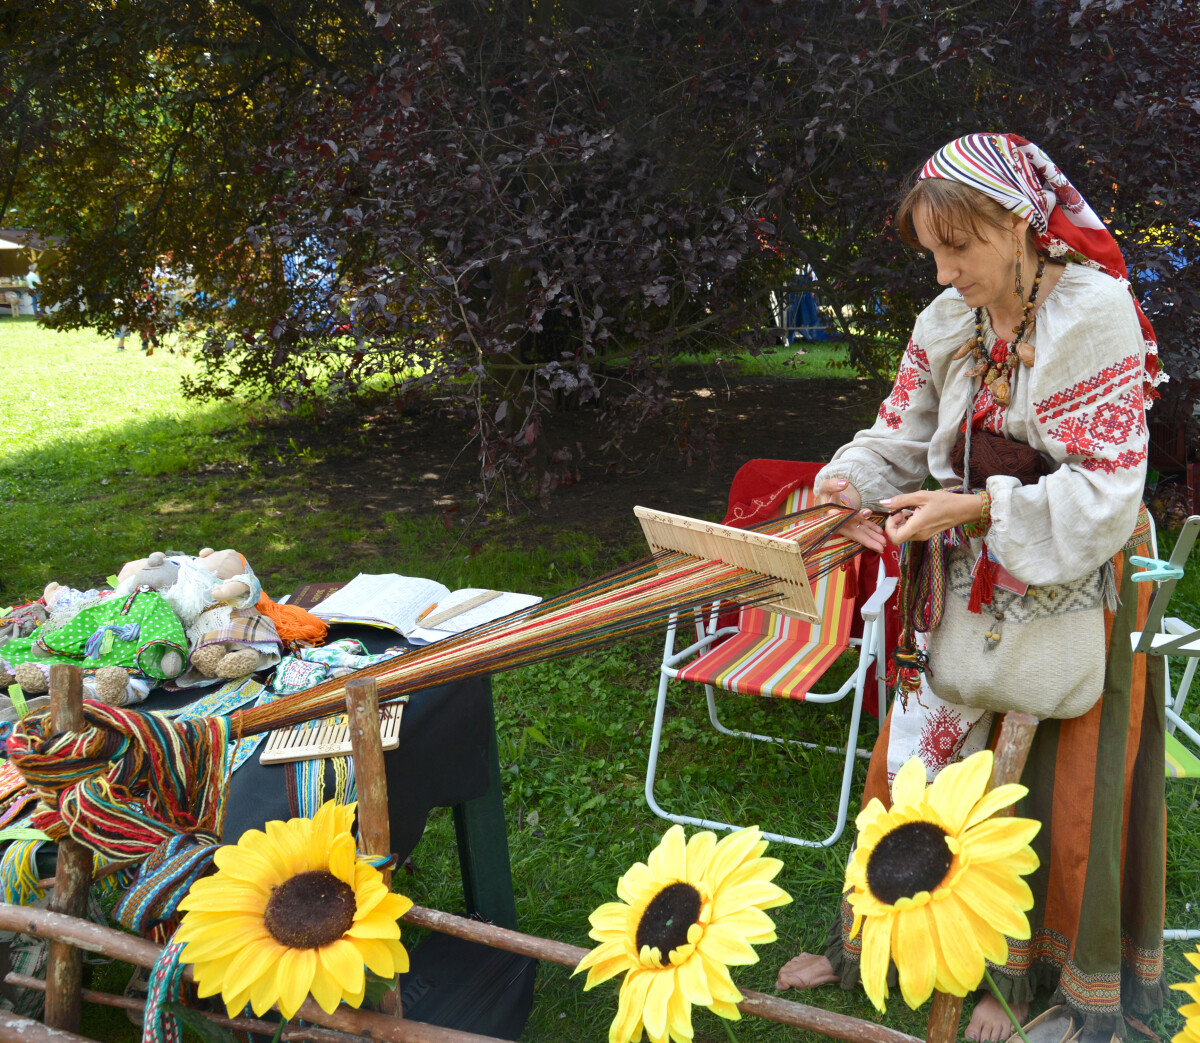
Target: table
447 757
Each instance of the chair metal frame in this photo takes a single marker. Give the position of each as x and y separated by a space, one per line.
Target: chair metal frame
1167 636
871 650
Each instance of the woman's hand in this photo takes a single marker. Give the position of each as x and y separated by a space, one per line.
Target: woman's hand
921 515
859 528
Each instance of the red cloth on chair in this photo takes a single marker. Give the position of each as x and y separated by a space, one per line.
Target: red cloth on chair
761 486
759 489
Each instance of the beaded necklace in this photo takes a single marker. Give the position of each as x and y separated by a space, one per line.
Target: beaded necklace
997 373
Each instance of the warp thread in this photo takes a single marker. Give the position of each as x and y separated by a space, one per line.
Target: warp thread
128 781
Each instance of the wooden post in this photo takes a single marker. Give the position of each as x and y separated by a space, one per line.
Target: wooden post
1012 749
73 874
370 777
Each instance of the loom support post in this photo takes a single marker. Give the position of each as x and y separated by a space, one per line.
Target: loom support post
73 874
370 773
1012 750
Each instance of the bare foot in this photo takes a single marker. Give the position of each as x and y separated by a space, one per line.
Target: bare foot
805 971
989 1022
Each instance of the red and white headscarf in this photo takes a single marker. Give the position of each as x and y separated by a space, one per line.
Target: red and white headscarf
1022 178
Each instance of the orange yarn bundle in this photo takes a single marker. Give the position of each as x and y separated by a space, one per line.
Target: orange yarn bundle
295 625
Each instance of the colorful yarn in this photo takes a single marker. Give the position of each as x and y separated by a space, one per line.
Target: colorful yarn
18 872
165 981
296 626
128 781
162 881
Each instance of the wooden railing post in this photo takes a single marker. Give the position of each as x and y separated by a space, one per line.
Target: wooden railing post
73 875
1012 749
370 776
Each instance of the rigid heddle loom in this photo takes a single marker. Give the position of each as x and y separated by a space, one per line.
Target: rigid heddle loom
131 781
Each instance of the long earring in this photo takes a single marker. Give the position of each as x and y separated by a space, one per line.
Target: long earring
1019 292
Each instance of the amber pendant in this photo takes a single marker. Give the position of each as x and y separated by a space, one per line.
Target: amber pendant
1026 352
1000 390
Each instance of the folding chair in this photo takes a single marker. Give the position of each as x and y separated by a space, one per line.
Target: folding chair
772 655
1170 636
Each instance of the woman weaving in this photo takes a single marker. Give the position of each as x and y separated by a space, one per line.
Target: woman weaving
1028 379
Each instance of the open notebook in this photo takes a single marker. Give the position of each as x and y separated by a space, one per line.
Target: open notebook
423 610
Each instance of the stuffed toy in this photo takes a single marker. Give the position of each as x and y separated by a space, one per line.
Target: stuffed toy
214 596
123 644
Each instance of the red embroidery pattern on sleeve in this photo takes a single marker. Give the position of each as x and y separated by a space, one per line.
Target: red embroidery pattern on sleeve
1129 458
1091 390
1073 434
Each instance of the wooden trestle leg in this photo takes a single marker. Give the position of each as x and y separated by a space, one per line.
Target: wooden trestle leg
374 827
1012 749
73 875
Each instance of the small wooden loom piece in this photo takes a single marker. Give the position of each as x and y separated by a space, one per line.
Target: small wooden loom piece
329 737
772 556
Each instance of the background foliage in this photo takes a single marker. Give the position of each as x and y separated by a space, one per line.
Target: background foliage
522 205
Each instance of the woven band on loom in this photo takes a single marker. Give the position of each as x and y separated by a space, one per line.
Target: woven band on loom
128 782
162 881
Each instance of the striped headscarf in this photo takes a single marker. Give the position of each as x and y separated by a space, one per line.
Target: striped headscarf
1022 178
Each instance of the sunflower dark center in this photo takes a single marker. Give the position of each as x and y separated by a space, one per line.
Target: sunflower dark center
664 925
309 910
913 857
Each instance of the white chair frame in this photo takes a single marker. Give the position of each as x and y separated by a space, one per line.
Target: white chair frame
871 650
1167 636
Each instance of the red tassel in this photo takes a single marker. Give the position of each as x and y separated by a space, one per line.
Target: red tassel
984 583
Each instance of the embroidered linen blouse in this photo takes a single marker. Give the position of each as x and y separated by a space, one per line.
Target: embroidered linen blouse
1080 405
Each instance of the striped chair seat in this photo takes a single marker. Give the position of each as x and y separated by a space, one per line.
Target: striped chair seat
775 655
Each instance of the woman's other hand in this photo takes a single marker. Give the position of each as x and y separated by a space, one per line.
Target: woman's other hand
859 528
921 515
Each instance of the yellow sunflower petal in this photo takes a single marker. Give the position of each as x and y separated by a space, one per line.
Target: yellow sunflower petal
264 993
296 969
692 982
342 960
959 950
377 955
997 838
609 921
731 851
763 895
251 866
666 861
635 881
679 1016
700 847
991 942
915 953
342 858
958 787
251 963
993 801
630 1004
325 988
997 900
609 964
654 1013
725 944
908 787
876 956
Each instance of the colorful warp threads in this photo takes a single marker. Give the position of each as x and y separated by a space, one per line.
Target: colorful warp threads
129 781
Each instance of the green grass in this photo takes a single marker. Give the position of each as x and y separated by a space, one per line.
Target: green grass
801 359
102 460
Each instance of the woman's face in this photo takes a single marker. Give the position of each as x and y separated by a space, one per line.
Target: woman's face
982 270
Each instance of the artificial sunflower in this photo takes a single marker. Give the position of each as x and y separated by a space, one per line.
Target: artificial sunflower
686 915
935 882
290 912
1191 1011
